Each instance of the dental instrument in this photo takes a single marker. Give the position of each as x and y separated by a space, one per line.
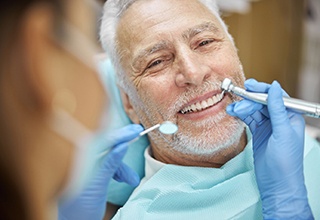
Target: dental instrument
307 108
166 127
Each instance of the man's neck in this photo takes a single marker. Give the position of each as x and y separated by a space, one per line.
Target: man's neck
217 160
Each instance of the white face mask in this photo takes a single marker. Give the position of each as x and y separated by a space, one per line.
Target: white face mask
88 144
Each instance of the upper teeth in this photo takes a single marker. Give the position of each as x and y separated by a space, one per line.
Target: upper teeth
202 104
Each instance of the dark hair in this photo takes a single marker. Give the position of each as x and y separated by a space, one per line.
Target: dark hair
12 204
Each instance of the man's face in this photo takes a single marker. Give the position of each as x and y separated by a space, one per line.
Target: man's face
176 54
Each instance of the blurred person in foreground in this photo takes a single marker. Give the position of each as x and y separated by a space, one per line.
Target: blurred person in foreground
52 108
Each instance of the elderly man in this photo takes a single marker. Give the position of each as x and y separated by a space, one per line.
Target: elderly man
171 57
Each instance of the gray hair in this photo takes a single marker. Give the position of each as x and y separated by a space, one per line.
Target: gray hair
113 11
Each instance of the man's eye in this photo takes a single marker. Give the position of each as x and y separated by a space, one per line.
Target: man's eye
203 43
155 63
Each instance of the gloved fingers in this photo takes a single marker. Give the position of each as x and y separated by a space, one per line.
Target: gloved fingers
108 140
243 108
124 134
230 109
126 174
251 113
297 122
257 119
277 110
114 158
255 86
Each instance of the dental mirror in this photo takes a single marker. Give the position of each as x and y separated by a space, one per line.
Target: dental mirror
166 127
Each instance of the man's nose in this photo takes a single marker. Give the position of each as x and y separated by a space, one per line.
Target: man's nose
191 71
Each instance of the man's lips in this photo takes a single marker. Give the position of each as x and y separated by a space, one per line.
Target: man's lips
202 103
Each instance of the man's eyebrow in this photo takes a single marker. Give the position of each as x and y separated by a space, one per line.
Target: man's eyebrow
149 51
193 31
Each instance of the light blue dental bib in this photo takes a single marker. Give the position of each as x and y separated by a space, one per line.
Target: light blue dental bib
180 192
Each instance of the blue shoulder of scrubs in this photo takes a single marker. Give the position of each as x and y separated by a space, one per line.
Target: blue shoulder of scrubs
118 193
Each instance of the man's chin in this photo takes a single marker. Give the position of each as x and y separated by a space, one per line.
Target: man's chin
211 142
221 124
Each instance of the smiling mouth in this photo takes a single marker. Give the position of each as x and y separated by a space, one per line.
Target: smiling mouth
202 105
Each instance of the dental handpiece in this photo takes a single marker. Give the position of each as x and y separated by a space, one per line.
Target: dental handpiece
307 108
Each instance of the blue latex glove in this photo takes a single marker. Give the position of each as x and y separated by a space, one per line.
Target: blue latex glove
278 146
91 204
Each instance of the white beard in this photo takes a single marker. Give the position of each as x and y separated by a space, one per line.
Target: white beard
215 136
210 142
213 141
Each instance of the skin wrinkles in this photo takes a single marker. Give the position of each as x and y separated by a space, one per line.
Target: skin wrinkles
163 52
205 26
144 54
147 57
199 56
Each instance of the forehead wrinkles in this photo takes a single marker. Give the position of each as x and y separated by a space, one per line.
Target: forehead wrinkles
141 54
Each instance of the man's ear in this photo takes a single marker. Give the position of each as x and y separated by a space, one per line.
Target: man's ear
128 108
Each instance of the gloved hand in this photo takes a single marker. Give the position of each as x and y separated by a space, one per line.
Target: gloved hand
91 203
278 146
